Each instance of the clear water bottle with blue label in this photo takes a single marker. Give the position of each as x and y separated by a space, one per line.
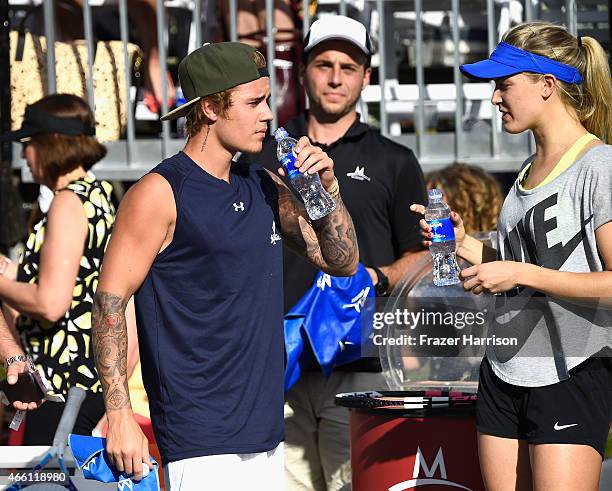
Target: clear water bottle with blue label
317 201
442 248
180 122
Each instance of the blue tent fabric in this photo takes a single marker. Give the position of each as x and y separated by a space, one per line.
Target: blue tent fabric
327 322
91 457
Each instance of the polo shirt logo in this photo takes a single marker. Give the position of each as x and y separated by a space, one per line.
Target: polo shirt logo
238 206
358 174
274 238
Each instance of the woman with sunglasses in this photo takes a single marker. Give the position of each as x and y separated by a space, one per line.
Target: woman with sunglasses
545 407
52 287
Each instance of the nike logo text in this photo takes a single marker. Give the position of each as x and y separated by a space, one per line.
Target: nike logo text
521 243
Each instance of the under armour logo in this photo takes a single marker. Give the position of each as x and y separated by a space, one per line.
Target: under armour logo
274 238
238 206
358 174
358 300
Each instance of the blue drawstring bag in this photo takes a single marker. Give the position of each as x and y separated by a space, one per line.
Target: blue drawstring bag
91 457
327 323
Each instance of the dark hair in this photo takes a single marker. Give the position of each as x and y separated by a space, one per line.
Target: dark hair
60 154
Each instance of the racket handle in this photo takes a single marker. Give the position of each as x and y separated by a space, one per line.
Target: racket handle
76 396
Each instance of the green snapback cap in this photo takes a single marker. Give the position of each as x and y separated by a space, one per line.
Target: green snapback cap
213 68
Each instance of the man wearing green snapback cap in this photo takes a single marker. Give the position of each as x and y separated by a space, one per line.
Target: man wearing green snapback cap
379 180
199 240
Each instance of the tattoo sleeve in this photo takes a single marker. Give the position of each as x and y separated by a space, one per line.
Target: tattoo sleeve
329 243
110 348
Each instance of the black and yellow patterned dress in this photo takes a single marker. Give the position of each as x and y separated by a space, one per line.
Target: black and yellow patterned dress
64 349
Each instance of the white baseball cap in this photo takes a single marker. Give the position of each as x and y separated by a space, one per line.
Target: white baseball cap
338 27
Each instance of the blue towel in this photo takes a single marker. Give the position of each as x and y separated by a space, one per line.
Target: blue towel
91 457
327 322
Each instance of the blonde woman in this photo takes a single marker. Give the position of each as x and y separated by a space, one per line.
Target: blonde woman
544 409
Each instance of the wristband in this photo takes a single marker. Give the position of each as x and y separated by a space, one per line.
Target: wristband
381 288
13 359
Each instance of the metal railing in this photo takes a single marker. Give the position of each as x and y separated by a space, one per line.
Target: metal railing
131 157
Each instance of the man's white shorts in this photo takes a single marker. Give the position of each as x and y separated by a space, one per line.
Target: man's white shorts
262 471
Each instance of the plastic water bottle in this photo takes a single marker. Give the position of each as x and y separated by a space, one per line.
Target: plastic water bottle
180 122
437 215
318 202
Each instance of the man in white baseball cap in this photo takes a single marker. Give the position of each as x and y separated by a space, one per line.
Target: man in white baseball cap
338 27
379 178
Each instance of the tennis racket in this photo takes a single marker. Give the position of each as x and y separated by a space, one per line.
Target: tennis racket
76 395
398 400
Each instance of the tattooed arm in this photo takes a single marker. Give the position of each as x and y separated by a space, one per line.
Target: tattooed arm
330 243
144 227
110 348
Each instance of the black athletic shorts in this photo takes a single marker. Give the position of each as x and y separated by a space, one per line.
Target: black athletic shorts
575 411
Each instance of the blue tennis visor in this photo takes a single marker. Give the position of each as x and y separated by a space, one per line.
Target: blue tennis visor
509 60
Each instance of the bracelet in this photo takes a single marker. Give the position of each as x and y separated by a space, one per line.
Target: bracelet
13 359
334 191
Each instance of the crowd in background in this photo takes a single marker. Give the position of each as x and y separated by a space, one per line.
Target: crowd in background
49 314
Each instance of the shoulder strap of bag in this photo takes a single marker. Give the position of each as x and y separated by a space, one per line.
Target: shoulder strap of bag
21 30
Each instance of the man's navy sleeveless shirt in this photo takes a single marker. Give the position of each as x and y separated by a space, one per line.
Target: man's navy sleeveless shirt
210 316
